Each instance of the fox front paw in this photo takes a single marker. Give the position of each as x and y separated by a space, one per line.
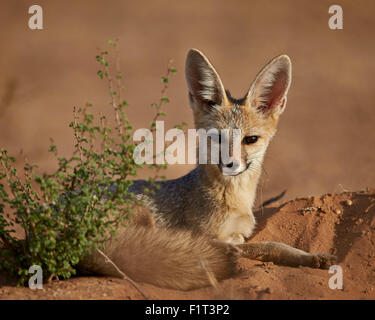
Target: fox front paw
235 238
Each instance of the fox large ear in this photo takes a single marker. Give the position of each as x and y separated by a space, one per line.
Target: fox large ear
204 84
270 87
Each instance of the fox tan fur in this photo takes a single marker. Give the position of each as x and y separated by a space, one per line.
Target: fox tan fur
198 223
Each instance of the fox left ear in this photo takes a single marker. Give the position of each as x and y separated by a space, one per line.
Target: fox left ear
270 87
204 84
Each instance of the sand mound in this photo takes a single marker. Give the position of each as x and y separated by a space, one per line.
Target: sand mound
342 224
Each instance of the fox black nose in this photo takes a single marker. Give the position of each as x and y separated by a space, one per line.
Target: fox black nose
229 165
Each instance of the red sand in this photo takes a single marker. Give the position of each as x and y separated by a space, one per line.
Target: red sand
316 224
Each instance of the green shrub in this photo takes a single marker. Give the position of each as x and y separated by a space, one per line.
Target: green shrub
63 214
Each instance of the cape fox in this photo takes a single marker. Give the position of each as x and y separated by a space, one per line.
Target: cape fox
197 224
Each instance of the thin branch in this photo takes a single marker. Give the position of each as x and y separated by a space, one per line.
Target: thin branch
112 92
163 90
79 145
210 276
124 276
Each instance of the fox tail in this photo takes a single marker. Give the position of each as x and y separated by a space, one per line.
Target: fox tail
176 259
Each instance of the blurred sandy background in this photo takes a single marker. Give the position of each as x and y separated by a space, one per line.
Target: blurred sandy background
326 137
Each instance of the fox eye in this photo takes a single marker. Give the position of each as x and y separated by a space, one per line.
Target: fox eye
250 139
210 103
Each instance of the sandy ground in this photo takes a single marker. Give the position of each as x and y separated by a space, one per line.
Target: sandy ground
330 224
325 143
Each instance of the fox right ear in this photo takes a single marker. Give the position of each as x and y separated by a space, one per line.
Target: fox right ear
269 89
204 84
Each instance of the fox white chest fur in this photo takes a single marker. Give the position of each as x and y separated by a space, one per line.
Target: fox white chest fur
238 196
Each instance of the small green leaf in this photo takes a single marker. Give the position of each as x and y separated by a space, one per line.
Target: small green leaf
111 43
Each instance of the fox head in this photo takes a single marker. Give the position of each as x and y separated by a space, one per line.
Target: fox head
256 114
